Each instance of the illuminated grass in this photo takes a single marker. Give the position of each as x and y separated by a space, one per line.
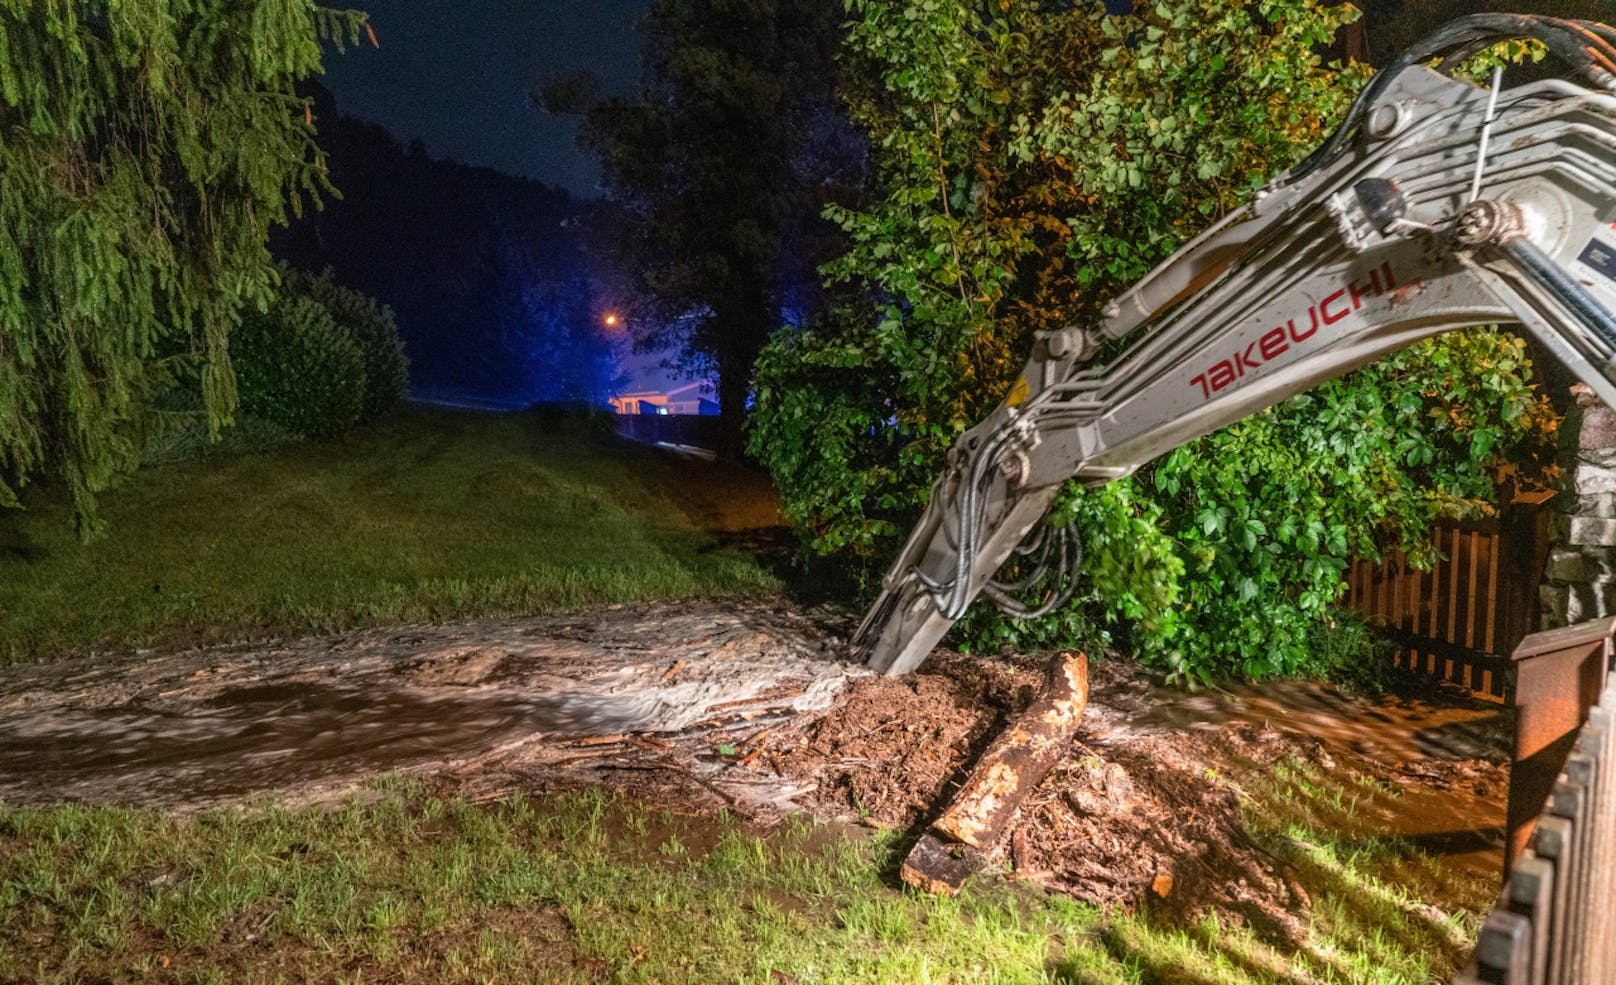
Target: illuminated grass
408 887
433 515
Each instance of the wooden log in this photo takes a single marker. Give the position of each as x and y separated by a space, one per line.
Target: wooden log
1020 758
940 867
1015 763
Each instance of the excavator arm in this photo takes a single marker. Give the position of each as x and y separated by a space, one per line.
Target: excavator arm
1437 205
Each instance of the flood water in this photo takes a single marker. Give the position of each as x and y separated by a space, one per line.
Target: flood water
188 729
263 737
315 716
1390 727
1453 745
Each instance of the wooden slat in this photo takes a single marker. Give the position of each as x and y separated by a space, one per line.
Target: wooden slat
1470 594
1490 623
1399 576
1434 627
1414 596
1453 586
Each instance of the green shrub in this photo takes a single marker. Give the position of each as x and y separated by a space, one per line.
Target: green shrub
1003 203
185 437
372 326
1353 653
298 368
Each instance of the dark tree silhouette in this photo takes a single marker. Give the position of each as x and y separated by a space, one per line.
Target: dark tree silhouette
719 172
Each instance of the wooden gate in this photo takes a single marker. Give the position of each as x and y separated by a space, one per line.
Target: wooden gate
1459 621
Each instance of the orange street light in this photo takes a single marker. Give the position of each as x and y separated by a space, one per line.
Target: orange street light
611 319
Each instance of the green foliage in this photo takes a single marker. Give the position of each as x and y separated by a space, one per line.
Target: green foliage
297 368
147 147
1351 652
1031 164
370 323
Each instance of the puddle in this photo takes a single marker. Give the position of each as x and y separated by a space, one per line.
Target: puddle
1453 754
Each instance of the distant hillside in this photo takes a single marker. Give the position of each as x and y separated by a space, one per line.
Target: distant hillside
484 270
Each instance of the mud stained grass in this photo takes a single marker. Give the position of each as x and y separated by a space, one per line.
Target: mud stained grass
432 515
406 886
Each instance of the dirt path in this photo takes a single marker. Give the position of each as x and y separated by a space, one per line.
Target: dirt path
754 709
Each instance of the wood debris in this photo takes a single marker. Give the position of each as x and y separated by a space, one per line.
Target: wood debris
979 814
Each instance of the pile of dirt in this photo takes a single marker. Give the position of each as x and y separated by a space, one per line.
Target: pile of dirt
1116 822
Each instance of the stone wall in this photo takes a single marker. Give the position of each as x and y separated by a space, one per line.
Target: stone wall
1580 580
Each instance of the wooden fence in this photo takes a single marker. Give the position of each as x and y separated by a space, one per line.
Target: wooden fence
1552 924
1459 621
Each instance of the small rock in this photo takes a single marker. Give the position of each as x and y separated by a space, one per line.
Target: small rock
1118 787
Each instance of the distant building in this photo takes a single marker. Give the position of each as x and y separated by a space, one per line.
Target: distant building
685 399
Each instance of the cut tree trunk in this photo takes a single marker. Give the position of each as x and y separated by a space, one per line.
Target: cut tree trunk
1014 764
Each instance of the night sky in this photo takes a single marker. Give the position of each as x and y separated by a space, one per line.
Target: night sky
457 76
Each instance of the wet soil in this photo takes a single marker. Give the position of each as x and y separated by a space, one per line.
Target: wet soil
1147 806
753 708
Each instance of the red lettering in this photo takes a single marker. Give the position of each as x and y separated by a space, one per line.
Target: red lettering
1273 343
1359 292
1324 308
1299 336
1279 340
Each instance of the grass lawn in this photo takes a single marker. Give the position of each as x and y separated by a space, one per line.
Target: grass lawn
431 515
408 887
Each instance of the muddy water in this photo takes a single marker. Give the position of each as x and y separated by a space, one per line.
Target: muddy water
321 715
260 737
1445 755
1388 728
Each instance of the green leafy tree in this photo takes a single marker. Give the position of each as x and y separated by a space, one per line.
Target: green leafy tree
145 148
721 168
1029 164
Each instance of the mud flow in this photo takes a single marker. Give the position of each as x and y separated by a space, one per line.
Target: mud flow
319 716
257 738
756 710
1445 752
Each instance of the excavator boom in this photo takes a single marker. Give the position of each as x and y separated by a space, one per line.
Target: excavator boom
1437 205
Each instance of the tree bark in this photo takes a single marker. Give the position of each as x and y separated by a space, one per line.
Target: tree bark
734 382
1020 757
